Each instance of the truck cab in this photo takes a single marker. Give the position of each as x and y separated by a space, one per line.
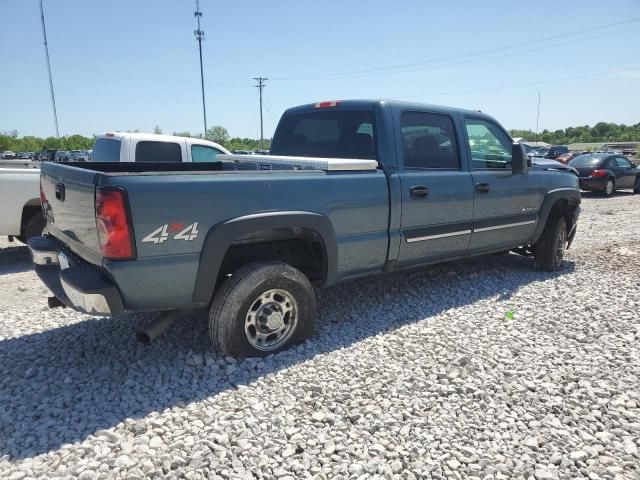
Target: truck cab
149 147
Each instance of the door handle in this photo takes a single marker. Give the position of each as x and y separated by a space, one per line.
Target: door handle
482 187
418 191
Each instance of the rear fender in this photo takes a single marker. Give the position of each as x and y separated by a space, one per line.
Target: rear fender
221 236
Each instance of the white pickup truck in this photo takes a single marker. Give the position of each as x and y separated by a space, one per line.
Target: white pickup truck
20 212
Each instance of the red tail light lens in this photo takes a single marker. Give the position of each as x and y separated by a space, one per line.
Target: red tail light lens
598 173
112 221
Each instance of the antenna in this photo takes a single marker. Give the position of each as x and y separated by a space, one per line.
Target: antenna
46 51
260 86
199 33
538 118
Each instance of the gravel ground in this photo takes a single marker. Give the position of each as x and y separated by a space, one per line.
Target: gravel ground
420 375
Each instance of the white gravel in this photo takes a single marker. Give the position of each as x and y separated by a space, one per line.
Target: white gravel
420 375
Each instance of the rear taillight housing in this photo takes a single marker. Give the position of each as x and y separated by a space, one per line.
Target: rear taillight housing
598 173
114 224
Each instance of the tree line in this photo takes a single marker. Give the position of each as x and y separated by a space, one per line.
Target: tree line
12 141
600 132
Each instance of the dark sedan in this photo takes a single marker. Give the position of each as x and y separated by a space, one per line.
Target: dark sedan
606 173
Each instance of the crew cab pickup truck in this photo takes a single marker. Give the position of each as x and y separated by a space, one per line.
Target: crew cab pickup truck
350 189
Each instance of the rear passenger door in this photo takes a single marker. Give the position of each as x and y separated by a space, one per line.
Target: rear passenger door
505 208
437 192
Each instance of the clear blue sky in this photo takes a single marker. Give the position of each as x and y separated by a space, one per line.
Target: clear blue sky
127 64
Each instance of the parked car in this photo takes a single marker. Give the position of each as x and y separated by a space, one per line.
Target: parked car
551 152
23 156
61 156
149 147
387 186
567 157
20 211
8 155
606 173
243 152
77 156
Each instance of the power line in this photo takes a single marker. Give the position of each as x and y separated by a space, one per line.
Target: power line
402 67
46 51
260 86
527 84
199 33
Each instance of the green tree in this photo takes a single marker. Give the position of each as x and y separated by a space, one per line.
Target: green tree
157 130
218 134
183 134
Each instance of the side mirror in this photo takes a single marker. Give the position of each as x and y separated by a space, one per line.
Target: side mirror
519 159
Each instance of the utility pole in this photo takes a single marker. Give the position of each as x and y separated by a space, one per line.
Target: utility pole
260 86
538 118
199 33
46 51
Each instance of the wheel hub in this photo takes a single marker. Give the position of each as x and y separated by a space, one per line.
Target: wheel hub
271 320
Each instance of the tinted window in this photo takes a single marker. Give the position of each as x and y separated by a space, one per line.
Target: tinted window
585 161
158 152
201 153
331 134
428 141
106 150
490 146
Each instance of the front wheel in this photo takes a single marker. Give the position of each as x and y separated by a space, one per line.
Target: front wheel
262 308
550 247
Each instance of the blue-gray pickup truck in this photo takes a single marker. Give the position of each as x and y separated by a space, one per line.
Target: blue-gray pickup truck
350 189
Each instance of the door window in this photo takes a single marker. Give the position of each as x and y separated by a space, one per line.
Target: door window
429 141
202 153
623 162
490 146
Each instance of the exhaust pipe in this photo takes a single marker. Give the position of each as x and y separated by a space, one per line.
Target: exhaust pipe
158 326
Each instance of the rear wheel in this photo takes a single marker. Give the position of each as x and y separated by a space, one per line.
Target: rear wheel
636 187
609 187
263 308
550 247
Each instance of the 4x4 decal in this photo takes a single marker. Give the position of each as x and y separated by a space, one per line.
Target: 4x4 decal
164 232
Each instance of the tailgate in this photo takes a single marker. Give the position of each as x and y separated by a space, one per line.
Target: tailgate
70 208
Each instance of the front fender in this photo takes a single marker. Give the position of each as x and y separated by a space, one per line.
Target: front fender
571 195
220 237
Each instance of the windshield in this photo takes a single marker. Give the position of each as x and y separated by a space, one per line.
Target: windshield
326 133
585 161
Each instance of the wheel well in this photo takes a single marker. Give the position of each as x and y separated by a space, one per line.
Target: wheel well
31 208
301 248
562 208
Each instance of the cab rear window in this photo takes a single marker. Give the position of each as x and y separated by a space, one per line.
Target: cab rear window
328 134
106 150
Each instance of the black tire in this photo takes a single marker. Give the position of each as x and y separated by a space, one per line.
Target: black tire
548 249
608 191
636 187
241 301
33 228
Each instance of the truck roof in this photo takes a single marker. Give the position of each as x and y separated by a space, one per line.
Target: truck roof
365 104
161 138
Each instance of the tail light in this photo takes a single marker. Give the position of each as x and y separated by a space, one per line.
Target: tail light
113 224
598 173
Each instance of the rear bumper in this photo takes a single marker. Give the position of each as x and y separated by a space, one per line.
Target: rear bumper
589 183
76 283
